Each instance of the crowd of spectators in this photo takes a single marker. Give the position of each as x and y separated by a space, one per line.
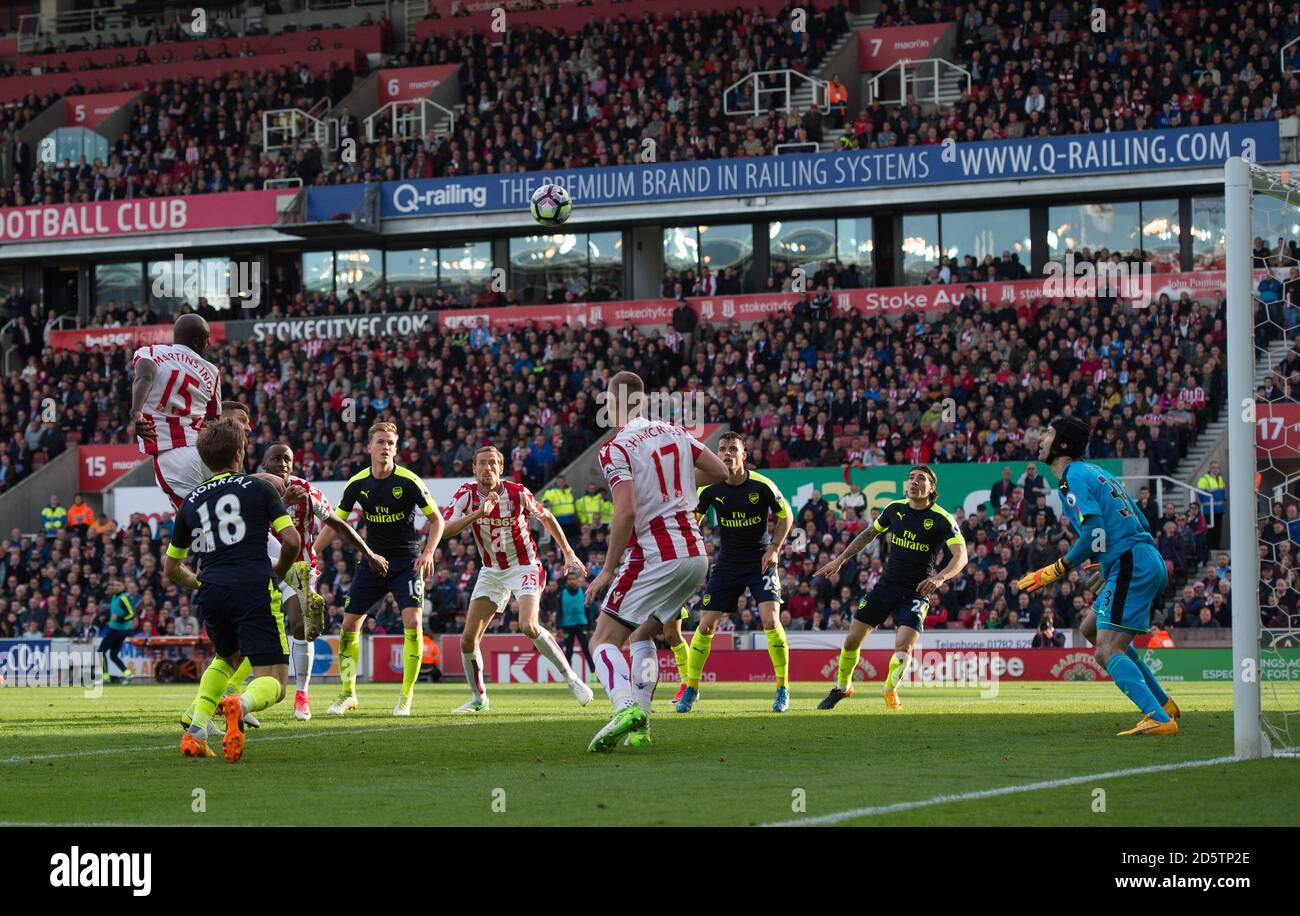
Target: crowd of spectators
812 387
1053 67
186 137
541 100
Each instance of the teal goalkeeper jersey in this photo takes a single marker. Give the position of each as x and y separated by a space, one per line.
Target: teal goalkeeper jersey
1089 490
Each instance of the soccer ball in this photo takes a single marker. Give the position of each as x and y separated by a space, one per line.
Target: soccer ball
551 205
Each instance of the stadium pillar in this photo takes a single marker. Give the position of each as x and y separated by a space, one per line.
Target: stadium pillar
1248 739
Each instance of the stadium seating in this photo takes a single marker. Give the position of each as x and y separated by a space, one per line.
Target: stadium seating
841 391
1057 68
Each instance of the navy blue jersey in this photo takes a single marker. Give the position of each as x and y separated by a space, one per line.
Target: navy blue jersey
225 521
742 511
916 538
388 508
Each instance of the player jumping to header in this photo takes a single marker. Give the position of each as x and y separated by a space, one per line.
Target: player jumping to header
747 559
304 610
497 512
174 390
1112 529
653 470
389 496
917 531
226 519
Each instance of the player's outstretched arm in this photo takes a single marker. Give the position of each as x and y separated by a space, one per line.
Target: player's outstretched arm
290 547
1091 533
951 570
432 535
145 371
620 532
174 568
709 468
348 535
784 525
856 546
571 561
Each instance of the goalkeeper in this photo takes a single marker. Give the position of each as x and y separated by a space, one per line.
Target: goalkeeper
1112 530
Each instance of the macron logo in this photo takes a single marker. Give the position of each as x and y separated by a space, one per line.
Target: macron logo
103 869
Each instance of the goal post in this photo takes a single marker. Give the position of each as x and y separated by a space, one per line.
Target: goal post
1243 537
1262 260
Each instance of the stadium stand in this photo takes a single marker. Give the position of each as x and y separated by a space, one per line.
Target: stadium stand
816 390
1047 68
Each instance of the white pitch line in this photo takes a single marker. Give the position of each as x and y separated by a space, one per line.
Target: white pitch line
316 733
995 793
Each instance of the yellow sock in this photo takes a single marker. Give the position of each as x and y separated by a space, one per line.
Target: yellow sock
682 653
211 685
412 652
779 651
701 645
264 691
898 666
848 661
241 673
349 657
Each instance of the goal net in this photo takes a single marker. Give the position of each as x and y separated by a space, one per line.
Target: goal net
1262 207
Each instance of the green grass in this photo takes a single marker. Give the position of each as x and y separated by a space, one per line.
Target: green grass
115 760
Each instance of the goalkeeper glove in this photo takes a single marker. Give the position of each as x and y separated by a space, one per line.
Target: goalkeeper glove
1032 582
1094 581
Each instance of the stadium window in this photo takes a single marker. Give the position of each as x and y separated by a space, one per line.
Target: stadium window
920 246
681 249
1279 230
855 245
986 234
359 269
1161 234
605 250
1115 227
1209 234
801 243
121 282
318 272
465 270
548 268
723 247
416 268
209 280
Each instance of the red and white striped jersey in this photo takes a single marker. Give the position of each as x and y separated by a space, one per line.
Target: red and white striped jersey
659 461
186 391
503 538
308 518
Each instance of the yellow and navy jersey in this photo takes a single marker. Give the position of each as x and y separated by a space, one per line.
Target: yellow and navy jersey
741 511
916 538
224 520
388 507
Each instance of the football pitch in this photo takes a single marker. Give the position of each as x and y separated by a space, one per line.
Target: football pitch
1036 754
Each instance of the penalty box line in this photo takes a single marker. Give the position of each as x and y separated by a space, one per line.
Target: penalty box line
315 733
898 807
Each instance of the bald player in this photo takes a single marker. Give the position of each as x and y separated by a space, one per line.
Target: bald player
174 391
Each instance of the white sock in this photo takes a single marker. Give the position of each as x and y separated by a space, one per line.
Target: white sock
303 654
552 652
474 674
611 668
645 673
